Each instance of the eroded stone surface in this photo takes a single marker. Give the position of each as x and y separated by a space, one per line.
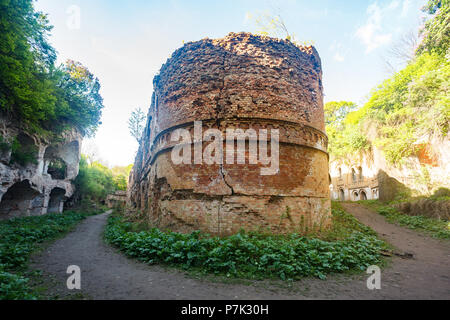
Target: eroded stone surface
31 189
247 82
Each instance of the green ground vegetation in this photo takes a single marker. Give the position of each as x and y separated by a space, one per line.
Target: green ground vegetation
436 228
19 239
349 245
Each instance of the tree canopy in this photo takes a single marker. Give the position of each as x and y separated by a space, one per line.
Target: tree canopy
45 98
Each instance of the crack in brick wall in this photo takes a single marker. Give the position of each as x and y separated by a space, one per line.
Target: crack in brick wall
241 81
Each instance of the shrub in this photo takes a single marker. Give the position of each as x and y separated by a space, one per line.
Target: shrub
23 155
441 193
436 228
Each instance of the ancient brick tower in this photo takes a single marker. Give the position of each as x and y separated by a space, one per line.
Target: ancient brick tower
241 81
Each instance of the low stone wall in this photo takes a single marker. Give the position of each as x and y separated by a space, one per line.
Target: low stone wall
437 209
116 200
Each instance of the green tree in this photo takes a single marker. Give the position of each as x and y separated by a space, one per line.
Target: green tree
344 138
408 108
337 111
25 59
94 181
79 101
45 99
136 124
434 5
436 32
121 175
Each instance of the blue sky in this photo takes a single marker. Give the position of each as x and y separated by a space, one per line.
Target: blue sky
124 43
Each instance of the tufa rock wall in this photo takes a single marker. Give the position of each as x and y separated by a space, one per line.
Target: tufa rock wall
247 82
44 183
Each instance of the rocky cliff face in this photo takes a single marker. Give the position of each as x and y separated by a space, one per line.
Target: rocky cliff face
239 82
36 178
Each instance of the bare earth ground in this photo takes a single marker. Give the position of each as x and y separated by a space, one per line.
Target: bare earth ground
107 274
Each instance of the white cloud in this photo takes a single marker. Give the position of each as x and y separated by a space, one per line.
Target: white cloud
371 34
339 57
339 51
405 8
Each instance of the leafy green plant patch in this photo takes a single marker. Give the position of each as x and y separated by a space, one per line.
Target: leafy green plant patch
19 238
252 255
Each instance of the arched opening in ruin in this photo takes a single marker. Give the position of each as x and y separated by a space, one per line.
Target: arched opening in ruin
25 151
56 201
375 193
355 196
363 195
354 178
54 165
341 195
18 200
360 174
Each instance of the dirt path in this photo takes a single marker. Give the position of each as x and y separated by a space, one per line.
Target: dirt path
107 274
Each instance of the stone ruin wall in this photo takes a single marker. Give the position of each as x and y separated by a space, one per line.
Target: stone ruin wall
380 180
241 81
33 189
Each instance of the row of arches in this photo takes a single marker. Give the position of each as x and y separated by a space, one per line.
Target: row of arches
22 200
357 174
357 195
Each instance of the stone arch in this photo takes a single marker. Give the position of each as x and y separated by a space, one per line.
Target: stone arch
54 165
56 201
28 151
355 196
362 195
341 194
18 200
375 194
360 174
354 178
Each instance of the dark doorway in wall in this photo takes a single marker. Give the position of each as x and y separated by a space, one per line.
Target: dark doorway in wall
54 165
17 201
57 168
363 195
354 178
341 195
55 203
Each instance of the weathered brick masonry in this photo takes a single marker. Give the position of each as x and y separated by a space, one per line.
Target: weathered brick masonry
241 81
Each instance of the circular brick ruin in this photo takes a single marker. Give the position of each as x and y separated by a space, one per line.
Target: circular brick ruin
244 82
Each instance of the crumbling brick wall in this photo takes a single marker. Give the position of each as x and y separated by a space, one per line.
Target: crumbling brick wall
241 81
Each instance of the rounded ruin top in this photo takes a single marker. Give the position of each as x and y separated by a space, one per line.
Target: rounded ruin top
240 76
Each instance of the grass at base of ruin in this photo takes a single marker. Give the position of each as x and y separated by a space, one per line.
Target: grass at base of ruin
348 246
19 239
439 229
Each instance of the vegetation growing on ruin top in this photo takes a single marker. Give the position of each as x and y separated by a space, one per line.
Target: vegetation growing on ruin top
411 106
45 98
